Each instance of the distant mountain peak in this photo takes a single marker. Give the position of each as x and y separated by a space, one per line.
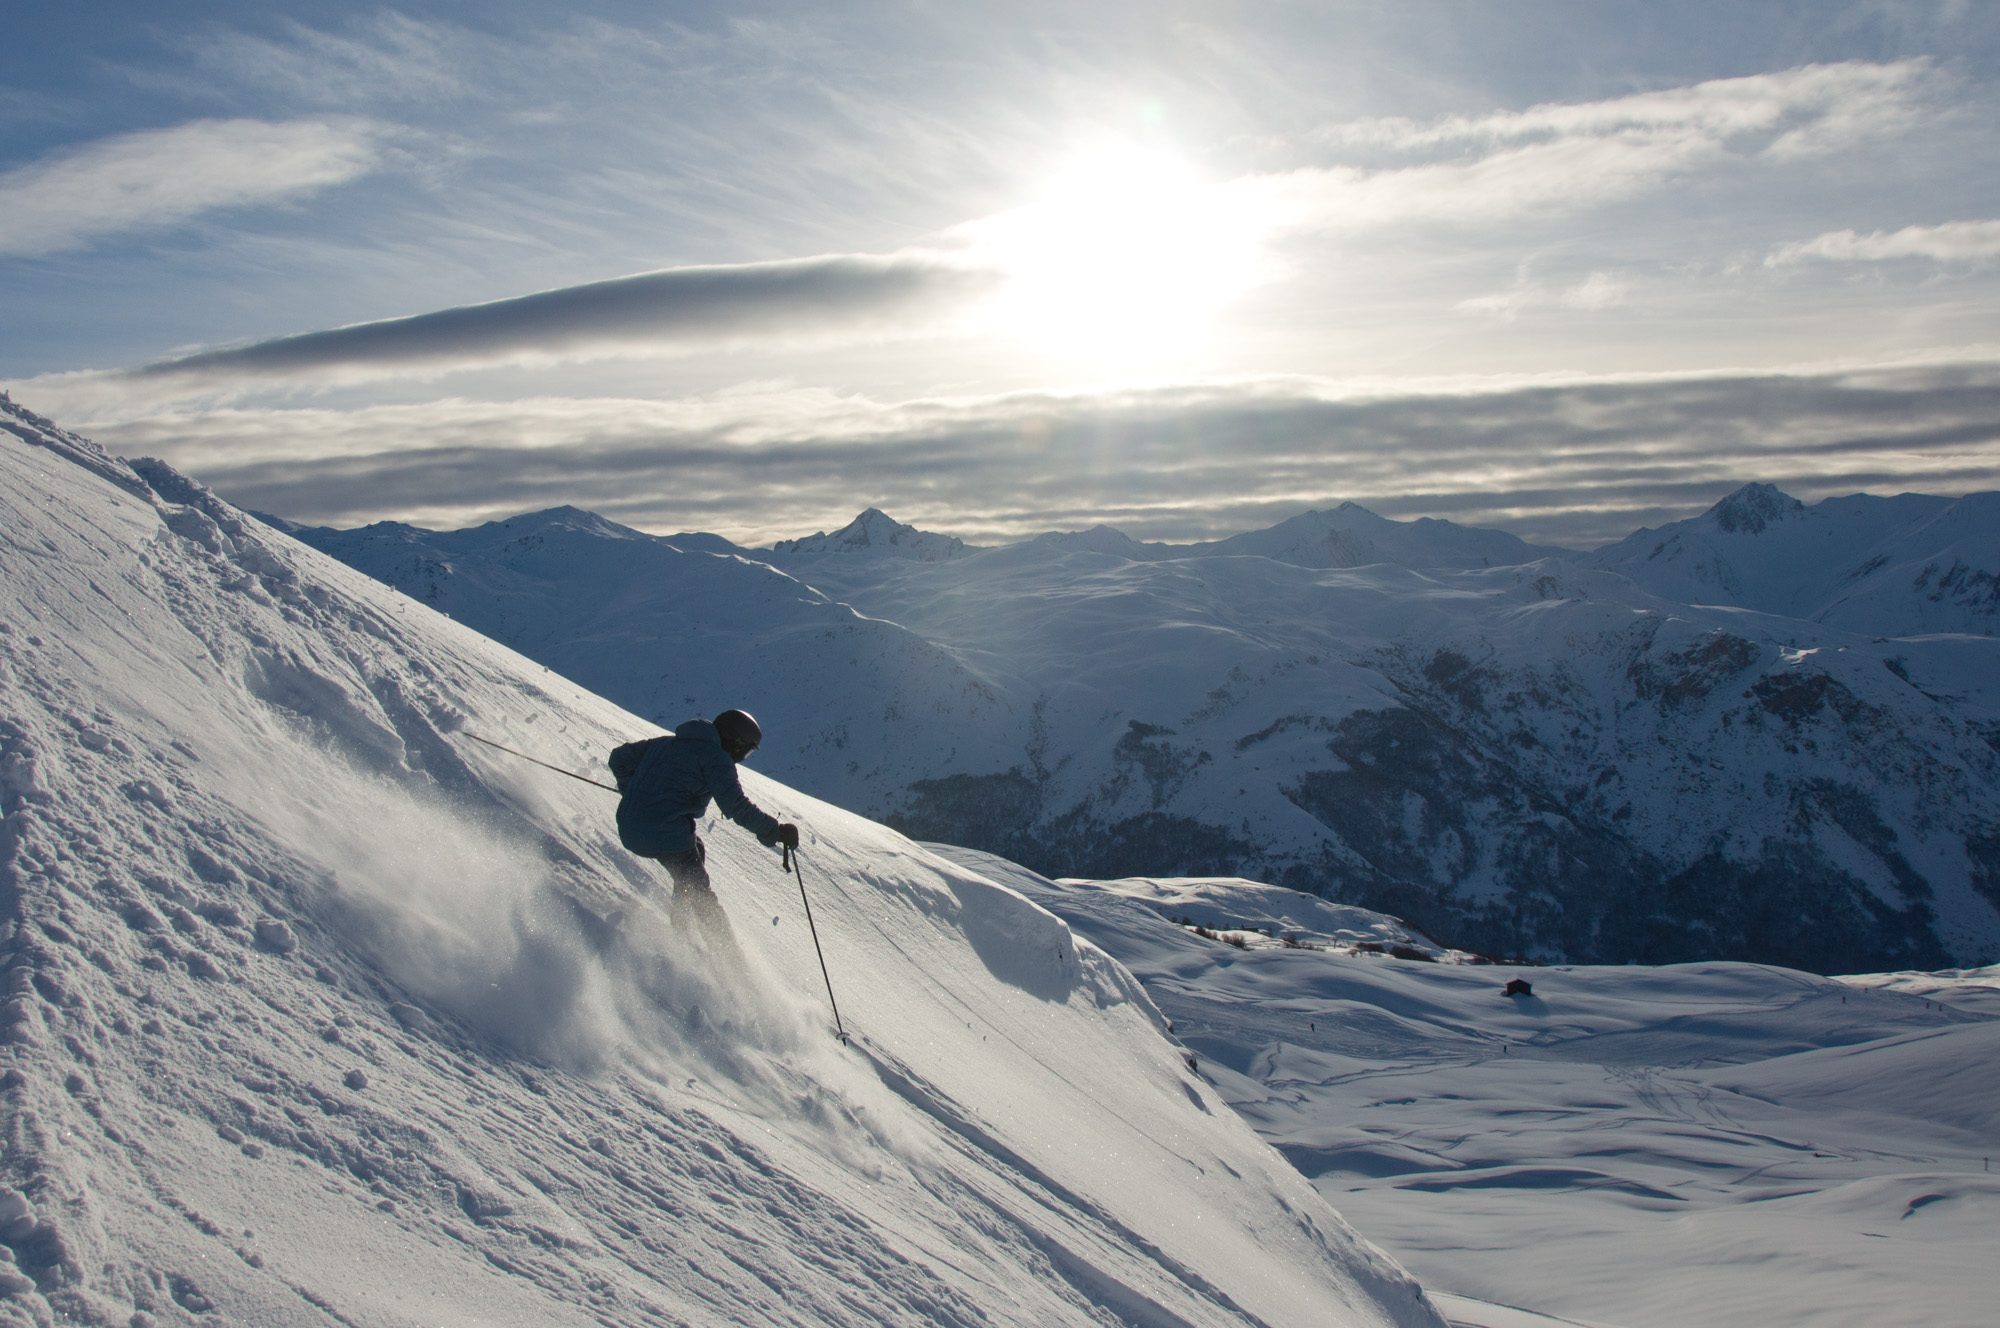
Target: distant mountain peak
1351 535
1753 507
569 517
875 531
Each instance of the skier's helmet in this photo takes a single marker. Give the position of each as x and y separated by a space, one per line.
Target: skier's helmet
739 733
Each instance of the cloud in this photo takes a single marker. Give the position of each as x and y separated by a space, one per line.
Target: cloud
1569 462
162 177
1815 108
1596 292
1952 242
385 56
1559 158
676 309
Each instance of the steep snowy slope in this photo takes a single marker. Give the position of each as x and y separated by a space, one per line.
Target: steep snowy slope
303 1028
1883 566
1668 1147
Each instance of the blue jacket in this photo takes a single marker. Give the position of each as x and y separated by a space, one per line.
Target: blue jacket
671 787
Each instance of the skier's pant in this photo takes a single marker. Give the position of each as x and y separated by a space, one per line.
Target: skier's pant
694 900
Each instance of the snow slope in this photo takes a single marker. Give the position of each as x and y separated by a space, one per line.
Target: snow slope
1672 1147
304 1026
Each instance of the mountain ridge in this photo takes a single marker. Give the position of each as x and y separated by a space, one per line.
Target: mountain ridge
1896 566
1502 754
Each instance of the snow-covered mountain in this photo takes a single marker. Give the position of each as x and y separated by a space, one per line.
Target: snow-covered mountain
1897 566
874 531
1537 758
670 629
1352 536
304 1026
1676 1147
1346 536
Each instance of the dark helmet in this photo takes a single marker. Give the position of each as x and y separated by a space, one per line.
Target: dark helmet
739 733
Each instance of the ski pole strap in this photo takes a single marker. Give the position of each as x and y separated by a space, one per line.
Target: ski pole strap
544 764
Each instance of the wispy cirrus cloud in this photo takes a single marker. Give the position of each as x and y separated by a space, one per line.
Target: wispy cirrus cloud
1814 108
1951 242
163 177
385 56
1559 158
675 309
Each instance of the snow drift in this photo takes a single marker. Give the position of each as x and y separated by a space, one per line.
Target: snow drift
304 1025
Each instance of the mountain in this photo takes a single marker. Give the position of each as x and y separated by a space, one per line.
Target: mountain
670 631
1678 1147
1347 536
311 1019
1901 566
1538 759
1352 536
874 532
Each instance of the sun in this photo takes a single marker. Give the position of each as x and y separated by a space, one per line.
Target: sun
1128 252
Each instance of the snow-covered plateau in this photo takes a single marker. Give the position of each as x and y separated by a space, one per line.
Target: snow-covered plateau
311 1019
1769 733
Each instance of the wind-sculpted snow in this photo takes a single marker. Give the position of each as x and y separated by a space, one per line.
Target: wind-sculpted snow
1536 758
1678 1147
320 1013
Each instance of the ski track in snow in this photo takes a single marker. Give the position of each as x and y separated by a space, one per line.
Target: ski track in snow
306 1025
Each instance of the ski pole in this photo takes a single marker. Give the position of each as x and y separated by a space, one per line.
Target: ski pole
544 764
792 866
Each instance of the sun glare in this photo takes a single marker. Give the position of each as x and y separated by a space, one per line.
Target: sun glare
1128 253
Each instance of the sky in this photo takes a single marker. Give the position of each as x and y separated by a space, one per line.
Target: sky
1187 269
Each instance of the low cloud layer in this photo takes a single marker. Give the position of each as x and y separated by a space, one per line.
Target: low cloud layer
1576 463
677 308
163 177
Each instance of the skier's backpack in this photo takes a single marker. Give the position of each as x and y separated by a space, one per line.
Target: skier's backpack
625 760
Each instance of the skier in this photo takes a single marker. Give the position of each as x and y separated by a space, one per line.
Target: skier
666 784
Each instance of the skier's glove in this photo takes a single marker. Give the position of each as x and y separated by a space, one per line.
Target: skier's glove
788 834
